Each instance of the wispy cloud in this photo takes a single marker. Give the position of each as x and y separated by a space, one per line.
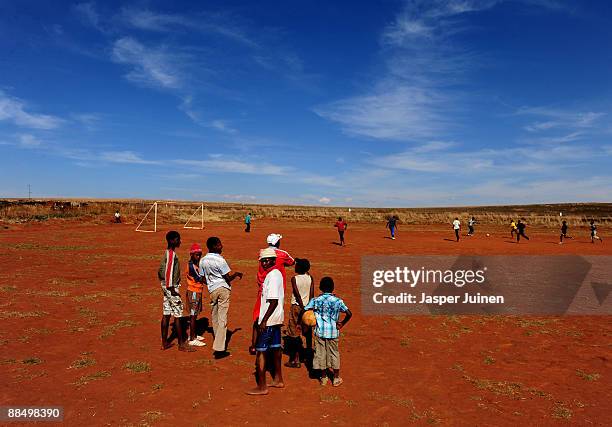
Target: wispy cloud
220 163
89 121
125 157
411 100
155 67
28 141
13 110
89 15
559 119
223 126
417 97
217 24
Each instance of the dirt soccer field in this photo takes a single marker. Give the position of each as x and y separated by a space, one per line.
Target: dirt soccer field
80 309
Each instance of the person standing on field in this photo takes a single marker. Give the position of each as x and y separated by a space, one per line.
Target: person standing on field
520 230
594 232
471 223
341 225
457 227
219 277
247 222
392 225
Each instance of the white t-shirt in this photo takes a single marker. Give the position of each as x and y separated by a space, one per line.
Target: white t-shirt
272 288
456 224
303 282
213 267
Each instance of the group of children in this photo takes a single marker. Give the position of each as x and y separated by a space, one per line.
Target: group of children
268 314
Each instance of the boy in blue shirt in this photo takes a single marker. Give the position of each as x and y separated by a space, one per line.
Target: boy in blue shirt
327 308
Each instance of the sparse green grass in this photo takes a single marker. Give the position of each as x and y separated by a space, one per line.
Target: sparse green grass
4 314
588 377
31 361
511 389
405 341
92 377
398 401
8 361
112 329
157 387
92 297
561 411
488 360
8 288
137 366
83 362
329 398
151 416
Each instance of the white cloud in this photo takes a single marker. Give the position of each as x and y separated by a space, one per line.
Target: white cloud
558 118
221 25
223 126
88 13
125 157
151 66
394 111
220 163
13 109
325 200
28 141
87 120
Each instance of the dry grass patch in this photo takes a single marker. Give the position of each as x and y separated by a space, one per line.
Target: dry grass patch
86 379
137 366
112 329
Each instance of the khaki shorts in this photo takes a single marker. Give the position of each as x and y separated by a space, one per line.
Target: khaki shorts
326 353
294 329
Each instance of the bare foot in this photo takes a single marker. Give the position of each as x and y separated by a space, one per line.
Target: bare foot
187 348
166 346
257 392
277 384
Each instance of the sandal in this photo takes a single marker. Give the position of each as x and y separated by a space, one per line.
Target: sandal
293 365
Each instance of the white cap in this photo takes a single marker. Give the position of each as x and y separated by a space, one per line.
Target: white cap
273 238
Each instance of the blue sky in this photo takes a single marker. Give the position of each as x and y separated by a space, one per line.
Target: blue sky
388 103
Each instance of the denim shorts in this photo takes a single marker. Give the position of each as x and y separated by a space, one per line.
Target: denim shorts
270 338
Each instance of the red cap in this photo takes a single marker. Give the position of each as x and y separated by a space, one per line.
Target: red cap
195 248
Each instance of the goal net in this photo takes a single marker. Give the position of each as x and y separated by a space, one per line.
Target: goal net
196 220
147 226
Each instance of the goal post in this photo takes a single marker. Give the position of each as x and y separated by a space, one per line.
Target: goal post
154 208
200 210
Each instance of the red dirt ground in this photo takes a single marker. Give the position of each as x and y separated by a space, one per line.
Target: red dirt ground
80 292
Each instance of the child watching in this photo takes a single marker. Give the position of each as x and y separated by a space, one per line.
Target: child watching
327 308
195 283
303 291
169 274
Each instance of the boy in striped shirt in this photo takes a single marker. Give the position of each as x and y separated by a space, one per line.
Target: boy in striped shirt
169 274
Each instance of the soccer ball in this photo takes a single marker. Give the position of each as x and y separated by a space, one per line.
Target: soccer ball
309 319
488 234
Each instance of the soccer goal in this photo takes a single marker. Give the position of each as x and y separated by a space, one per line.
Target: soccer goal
194 216
154 209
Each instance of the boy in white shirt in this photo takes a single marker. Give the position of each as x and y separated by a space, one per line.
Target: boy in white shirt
271 318
218 277
457 227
